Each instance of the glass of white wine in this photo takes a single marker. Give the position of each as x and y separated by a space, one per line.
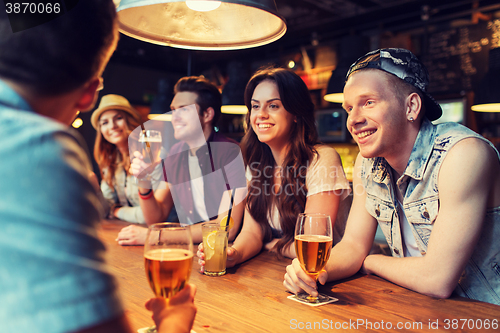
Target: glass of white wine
168 258
313 244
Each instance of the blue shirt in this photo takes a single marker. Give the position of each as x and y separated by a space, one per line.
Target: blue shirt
52 273
481 278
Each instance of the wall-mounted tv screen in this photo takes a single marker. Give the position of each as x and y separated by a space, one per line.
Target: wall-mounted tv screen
331 125
453 111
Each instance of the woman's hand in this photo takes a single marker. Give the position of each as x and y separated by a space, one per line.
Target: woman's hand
297 280
132 235
201 257
233 257
178 315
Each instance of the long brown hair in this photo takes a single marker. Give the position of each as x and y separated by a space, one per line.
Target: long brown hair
108 156
291 199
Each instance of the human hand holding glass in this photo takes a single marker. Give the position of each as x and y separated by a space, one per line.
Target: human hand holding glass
144 149
168 256
313 244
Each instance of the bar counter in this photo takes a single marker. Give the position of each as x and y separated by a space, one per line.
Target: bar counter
251 298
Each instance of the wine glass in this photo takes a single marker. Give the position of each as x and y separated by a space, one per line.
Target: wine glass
168 257
313 244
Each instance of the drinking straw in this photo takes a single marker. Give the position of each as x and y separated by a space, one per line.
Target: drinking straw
230 207
227 184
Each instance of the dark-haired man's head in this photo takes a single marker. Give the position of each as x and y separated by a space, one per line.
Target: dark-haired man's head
61 55
208 95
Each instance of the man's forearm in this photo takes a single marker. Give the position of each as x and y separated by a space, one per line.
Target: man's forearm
412 273
345 261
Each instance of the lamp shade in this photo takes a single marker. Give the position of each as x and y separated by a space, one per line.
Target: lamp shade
234 24
233 101
160 106
350 48
487 96
334 91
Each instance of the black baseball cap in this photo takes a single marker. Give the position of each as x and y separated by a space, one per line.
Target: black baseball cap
406 66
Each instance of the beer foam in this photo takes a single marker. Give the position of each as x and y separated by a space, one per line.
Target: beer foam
143 139
168 254
314 238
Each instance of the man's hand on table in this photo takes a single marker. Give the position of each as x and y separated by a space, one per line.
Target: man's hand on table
132 235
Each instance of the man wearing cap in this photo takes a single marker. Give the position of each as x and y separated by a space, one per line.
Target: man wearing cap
434 190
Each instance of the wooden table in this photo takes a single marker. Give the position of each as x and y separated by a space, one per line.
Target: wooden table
251 298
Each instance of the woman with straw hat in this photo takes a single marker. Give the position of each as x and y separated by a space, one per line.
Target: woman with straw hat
114 120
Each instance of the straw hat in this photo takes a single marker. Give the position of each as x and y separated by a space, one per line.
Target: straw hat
113 102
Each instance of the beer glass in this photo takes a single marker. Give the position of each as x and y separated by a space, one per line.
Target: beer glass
168 257
150 144
313 243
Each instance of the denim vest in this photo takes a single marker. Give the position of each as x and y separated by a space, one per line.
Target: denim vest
481 277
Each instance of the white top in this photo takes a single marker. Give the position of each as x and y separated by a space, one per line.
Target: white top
323 175
410 248
197 188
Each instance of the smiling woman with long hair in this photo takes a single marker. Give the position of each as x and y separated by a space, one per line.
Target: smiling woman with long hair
113 120
288 170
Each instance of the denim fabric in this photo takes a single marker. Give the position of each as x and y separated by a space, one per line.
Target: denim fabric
53 278
481 277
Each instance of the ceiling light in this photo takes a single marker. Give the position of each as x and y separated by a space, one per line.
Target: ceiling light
77 123
487 98
334 98
236 24
234 109
203 6
160 117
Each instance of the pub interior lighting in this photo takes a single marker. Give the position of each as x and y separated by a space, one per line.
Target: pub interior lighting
234 89
77 123
487 96
350 48
160 106
228 25
334 91
234 109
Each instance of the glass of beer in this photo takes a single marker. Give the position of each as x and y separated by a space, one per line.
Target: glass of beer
313 244
150 142
168 257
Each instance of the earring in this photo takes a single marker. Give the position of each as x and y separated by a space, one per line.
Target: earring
411 119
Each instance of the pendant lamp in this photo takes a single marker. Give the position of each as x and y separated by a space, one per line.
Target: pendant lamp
223 25
233 101
160 107
350 48
487 96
